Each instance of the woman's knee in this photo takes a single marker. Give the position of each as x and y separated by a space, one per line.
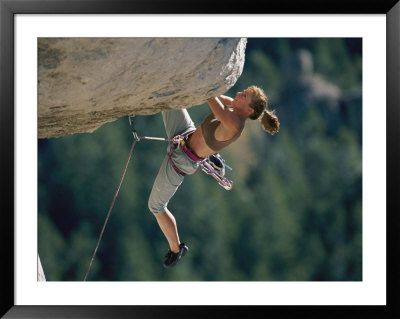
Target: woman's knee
155 207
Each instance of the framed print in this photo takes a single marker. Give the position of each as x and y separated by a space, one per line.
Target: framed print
309 227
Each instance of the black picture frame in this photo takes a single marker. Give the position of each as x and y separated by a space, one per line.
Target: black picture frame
8 9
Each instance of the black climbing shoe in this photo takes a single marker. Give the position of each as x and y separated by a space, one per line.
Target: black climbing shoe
172 258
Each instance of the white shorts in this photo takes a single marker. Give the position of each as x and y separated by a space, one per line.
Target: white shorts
176 122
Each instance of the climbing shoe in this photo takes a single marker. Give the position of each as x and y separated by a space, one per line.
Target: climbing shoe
172 258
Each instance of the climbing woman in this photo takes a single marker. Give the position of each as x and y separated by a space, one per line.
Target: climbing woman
220 128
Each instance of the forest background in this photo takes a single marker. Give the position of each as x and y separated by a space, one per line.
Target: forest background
294 213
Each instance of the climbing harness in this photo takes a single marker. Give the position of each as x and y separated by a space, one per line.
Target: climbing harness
213 165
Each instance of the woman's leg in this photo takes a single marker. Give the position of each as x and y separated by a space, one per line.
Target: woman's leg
177 122
164 187
168 180
167 223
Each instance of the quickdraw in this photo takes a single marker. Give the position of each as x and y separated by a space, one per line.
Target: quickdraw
213 165
207 165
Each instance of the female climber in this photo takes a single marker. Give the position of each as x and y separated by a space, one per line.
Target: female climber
220 128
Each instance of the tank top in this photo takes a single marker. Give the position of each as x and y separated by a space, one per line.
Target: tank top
208 127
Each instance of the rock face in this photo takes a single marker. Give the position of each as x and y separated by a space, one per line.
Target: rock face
84 83
40 272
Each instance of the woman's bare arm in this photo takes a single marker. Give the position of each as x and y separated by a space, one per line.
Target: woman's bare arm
225 100
224 114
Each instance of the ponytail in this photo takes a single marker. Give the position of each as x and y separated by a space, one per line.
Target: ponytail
259 103
269 121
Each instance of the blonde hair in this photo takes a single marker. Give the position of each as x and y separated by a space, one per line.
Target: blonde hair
259 103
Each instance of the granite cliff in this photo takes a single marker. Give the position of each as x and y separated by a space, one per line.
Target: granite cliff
84 83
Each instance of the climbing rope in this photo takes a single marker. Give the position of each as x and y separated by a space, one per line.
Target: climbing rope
110 209
136 138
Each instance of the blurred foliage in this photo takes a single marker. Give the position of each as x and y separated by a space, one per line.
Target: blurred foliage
294 213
